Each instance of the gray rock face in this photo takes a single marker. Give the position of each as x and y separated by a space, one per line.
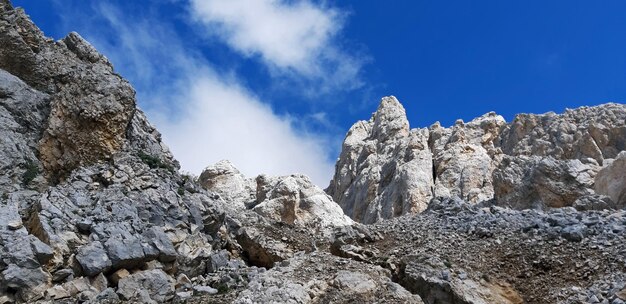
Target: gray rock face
22 118
93 259
611 180
323 278
385 169
146 286
20 267
527 182
79 130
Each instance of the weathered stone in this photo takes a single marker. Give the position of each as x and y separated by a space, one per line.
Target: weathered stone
224 179
205 290
611 180
594 202
30 283
61 275
125 252
323 278
56 292
426 276
155 283
586 132
464 157
217 261
385 169
93 259
261 250
537 182
294 200
118 275
165 248
42 251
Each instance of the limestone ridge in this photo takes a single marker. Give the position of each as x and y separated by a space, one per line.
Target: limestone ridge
387 169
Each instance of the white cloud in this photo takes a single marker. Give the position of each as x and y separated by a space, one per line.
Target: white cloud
294 38
223 121
205 116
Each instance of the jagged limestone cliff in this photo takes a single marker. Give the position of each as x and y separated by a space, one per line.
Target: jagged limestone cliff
387 169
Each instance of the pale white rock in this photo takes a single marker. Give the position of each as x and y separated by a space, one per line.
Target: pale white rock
296 200
465 156
611 181
224 179
385 168
587 132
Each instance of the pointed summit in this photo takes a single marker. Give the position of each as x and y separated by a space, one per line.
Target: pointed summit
390 120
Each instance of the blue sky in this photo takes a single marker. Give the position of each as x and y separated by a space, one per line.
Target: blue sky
273 85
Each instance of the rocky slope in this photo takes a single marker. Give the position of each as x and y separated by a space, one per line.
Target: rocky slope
94 210
387 169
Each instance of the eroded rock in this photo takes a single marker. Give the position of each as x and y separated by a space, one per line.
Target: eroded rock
385 168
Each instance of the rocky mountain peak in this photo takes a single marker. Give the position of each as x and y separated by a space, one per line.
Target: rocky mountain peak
538 161
389 120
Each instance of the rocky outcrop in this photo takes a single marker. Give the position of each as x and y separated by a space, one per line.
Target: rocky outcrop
90 106
225 180
323 278
291 200
294 200
596 133
538 182
611 180
385 168
464 157
537 161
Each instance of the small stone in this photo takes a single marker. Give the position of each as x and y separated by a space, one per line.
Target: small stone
61 275
56 292
107 296
100 282
184 295
573 233
182 281
15 225
118 275
205 289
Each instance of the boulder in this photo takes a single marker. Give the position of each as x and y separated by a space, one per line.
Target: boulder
155 284
224 179
93 259
294 200
611 180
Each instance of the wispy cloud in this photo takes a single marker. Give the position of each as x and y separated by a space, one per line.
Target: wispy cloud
205 116
297 39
